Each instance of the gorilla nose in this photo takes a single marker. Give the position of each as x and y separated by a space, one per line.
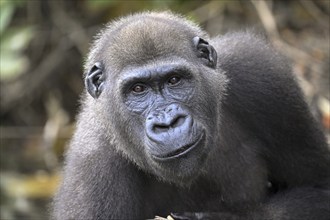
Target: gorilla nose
168 124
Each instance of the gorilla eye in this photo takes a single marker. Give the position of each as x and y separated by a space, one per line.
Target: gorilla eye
174 80
138 88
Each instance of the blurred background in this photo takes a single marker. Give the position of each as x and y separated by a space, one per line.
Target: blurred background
43 47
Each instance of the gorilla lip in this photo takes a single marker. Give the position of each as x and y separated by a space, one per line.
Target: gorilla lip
181 151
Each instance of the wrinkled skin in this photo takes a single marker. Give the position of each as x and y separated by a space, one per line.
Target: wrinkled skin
174 121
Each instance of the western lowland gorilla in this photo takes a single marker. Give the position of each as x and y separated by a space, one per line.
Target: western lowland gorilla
174 121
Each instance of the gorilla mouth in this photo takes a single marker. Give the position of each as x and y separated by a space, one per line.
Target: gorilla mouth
181 151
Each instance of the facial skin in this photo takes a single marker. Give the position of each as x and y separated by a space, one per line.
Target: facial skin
161 98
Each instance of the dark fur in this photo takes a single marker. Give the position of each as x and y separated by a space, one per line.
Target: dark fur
265 158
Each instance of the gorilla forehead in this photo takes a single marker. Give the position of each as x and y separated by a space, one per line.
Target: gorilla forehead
139 38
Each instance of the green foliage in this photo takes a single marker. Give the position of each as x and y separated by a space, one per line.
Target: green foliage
13 42
6 13
99 5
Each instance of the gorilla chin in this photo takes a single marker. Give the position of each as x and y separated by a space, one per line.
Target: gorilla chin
182 151
184 162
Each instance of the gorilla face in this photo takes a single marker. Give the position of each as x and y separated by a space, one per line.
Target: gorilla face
162 98
163 106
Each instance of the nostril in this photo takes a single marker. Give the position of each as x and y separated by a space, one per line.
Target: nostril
157 129
165 127
177 122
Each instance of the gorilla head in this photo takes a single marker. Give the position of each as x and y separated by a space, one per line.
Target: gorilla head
156 95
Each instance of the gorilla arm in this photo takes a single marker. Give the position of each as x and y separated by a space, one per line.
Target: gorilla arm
87 192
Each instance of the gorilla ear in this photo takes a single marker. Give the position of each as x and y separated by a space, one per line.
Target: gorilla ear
94 80
206 51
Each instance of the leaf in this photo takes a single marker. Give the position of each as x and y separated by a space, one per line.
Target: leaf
6 13
12 65
12 61
16 39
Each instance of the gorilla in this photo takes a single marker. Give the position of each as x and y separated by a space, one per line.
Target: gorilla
173 121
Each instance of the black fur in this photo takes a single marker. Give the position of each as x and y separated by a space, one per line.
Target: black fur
207 128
